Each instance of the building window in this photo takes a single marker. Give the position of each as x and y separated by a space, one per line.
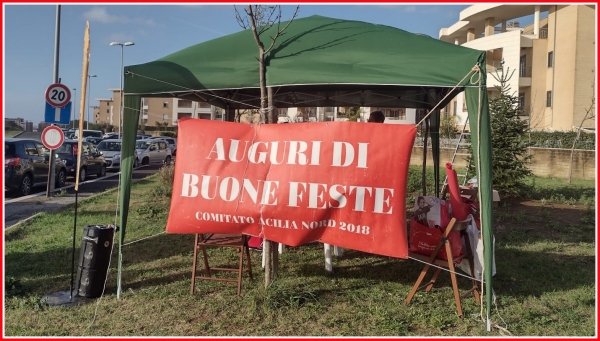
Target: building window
108 111
165 104
548 98
402 114
184 103
455 108
523 66
550 58
165 117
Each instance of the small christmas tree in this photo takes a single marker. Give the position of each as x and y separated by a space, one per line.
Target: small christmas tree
509 142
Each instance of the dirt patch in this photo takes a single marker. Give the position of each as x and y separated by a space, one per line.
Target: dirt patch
548 212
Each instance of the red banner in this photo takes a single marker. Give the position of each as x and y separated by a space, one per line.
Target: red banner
341 183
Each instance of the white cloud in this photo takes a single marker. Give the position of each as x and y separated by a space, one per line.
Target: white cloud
101 15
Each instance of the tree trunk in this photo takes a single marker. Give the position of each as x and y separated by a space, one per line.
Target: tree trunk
270 117
263 86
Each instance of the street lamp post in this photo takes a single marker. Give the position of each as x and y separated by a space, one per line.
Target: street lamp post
121 71
74 104
88 104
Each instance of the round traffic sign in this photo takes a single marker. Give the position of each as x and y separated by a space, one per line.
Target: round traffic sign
58 95
53 137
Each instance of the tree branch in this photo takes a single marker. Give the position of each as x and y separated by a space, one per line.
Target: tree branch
255 34
279 30
241 21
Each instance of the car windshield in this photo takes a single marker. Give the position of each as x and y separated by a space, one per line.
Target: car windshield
65 148
110 146
141 145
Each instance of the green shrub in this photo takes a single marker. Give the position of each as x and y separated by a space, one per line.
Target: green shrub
562 139
448 126
166 174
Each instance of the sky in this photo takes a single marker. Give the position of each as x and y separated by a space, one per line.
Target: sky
156 30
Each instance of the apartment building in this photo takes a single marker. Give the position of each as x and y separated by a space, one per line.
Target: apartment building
153 110
553 59
325 114
170 110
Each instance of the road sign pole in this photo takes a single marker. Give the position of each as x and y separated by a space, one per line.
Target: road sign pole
50 191
50 188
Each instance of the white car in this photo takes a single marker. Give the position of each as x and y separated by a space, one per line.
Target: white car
152 151
171 141
111 149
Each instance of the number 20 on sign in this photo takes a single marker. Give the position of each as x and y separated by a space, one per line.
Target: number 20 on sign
58 95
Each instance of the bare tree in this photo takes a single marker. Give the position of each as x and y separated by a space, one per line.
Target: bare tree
260 19
589 115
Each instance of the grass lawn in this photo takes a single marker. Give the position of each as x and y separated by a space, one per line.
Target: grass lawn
11 133
544 285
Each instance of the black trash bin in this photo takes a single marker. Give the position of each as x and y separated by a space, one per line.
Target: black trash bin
94 258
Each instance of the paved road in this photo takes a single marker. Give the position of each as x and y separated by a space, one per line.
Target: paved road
20 208
28 135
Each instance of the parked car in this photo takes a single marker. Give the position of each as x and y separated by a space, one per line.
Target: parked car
89 133
153 151
112 136
142 136
92 160
93 140
171 141
111 150
26 165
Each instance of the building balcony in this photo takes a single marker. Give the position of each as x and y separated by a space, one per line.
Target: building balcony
525 76
543 33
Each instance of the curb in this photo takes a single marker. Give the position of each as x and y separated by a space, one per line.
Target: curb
66 187
82 199
23 221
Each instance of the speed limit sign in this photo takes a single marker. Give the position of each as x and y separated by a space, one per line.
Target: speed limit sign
53 137
58 95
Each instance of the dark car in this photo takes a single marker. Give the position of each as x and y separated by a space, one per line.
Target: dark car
26 164
92 160
93 140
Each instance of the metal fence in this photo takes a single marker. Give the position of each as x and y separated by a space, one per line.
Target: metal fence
550 143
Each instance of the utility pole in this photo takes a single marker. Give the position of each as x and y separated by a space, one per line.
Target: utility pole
74 107
51 162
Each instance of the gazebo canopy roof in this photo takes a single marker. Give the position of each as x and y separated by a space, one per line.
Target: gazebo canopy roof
317 61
